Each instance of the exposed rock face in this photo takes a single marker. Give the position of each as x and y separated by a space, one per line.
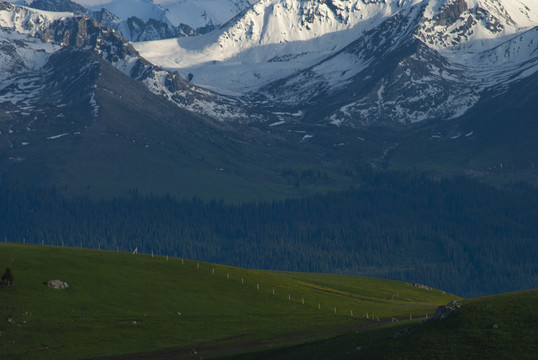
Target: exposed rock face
136 29
57 284
61 5
6 6
87 33
451 13
444 310
106 18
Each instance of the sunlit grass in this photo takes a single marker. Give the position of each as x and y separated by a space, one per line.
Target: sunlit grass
123 303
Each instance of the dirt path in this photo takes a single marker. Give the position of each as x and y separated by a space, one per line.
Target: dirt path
229 346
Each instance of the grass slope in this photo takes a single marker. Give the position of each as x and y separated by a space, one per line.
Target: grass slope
494 327
120 303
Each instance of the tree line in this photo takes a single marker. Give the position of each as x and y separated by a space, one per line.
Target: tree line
455 234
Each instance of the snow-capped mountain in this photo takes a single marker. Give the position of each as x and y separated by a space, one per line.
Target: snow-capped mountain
271 40
132 28
203 15
354 63
362 62
135 29
59 6
338 82
65 30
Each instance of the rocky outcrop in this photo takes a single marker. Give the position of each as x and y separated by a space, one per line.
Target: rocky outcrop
135 29
57 284
420 286
444 310
87 33
451 13
60 5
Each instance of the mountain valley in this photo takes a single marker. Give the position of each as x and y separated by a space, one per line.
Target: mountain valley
391 139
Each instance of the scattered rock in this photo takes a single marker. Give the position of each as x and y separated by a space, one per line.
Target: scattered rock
57 284
420 286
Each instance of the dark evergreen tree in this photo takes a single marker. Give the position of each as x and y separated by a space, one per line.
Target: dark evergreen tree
7 278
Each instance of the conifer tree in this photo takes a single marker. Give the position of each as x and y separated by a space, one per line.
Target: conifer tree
7 278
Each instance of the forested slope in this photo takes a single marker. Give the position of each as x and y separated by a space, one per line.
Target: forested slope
455 234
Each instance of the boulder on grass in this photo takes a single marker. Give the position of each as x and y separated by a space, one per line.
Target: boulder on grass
57 284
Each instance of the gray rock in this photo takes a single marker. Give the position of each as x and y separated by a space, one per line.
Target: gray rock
445 310
57 284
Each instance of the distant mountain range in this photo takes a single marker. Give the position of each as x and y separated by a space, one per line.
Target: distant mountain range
363 62
143 20
397 83
353 63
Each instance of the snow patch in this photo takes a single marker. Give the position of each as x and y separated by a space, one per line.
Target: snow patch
57 136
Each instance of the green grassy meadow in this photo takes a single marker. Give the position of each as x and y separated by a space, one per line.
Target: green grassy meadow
493 327
119 303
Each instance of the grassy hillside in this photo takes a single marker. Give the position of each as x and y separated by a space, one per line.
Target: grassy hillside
494 327
141 141
120 303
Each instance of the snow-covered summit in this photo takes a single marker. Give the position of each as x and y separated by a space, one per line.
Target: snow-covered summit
344 62
475 24
27 21
272 39
276 38
203 15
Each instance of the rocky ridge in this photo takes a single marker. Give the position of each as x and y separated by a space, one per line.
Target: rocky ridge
84 33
